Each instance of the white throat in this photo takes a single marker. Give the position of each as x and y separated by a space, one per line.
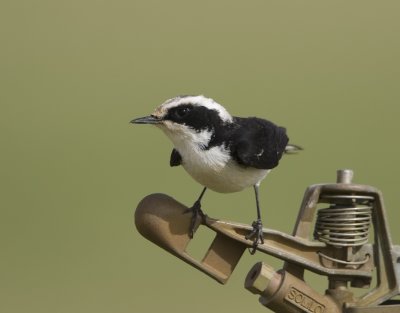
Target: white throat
192 147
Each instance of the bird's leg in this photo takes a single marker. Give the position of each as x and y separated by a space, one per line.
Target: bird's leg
257 231
196 211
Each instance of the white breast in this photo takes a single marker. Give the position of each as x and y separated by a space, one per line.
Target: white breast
229 178
212 167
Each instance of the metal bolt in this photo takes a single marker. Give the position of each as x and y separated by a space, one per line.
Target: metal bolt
344 176
261 277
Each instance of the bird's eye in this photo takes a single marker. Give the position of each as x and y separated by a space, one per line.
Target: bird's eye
182 112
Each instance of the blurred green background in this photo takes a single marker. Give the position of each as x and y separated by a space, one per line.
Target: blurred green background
74 73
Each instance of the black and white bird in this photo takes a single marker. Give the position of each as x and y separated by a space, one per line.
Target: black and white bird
222 152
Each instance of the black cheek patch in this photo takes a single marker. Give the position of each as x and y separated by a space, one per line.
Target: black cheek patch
198 118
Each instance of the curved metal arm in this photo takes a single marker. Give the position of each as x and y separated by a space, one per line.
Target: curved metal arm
161 219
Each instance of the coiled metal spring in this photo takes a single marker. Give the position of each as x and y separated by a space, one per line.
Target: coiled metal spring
344 224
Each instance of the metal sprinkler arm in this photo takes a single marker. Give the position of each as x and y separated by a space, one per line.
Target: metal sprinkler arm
161 219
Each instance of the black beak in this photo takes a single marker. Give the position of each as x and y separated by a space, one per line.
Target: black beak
151 119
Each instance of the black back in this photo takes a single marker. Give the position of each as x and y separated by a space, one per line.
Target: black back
257 142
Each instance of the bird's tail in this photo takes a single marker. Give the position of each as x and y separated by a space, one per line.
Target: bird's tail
292 149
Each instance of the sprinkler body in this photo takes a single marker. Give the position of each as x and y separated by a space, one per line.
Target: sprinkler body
348 242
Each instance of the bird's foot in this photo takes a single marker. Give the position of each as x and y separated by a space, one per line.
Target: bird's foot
196 212
257 233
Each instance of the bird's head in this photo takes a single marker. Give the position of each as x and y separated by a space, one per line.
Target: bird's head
188 119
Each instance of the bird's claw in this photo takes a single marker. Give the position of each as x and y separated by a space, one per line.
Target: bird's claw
257 233
196 212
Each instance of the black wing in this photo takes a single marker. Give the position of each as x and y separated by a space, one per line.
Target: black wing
176 158
258 143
